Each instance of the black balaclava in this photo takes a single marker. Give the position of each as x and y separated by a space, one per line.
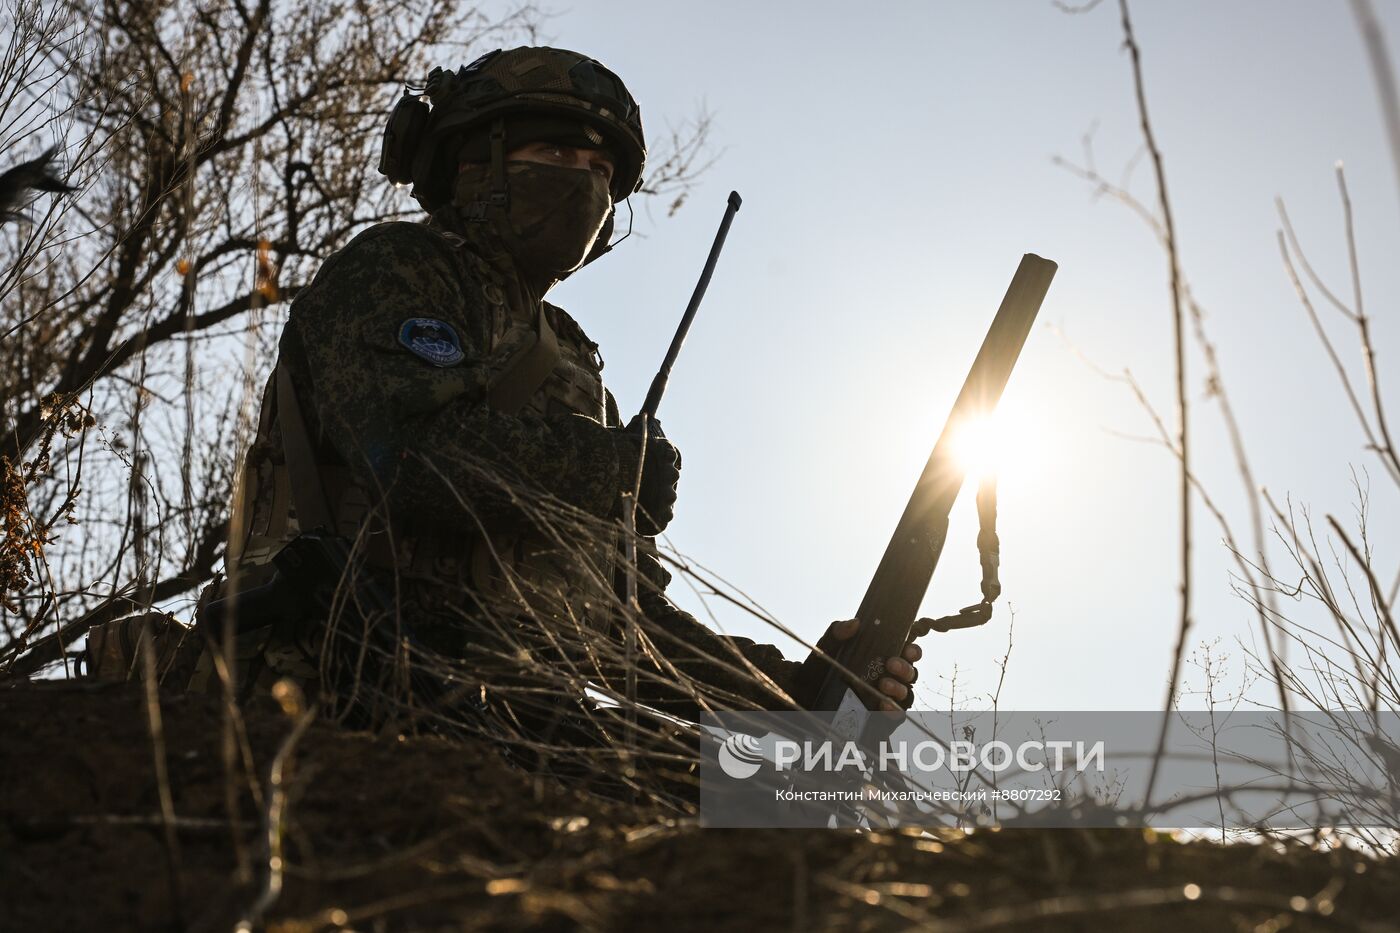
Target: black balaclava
551 220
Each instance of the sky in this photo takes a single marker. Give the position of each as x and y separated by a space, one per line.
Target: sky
895 160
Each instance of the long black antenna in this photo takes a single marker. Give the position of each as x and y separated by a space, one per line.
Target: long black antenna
658 385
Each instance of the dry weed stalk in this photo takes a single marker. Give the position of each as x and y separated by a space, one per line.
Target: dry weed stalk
1351 670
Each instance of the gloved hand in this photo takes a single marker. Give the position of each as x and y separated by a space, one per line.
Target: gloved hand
661 471
898 686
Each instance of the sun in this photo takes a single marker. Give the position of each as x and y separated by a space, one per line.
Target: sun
981 445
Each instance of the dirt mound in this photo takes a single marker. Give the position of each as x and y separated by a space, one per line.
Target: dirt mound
426 834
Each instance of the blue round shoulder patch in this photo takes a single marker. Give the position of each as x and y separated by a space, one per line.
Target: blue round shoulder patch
433 340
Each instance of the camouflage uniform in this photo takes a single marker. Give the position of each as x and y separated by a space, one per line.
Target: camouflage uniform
401 444
400 381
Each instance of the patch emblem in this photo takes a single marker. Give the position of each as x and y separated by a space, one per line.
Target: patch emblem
433 340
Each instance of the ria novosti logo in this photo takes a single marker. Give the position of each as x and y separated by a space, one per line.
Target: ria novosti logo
740 756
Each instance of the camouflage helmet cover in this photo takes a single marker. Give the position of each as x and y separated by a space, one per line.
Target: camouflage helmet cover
527 81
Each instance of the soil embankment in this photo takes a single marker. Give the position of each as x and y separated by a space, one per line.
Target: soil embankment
424 834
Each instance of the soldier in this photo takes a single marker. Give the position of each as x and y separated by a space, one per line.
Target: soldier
430 406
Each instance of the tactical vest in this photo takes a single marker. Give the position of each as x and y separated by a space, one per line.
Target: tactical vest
547 367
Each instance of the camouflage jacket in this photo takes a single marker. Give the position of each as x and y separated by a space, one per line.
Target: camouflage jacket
401 424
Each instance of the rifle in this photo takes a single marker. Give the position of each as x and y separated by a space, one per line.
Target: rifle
892 600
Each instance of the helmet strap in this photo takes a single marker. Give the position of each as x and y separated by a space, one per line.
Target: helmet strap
499 197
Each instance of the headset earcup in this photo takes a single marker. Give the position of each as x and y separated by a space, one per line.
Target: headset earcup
403 137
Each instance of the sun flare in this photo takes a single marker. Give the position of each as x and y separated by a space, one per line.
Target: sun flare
977 444
1013 444
983 444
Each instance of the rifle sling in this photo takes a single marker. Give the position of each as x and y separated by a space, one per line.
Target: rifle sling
989 555
988 544
308 493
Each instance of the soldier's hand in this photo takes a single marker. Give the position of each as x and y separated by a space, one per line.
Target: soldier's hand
897 686
661 472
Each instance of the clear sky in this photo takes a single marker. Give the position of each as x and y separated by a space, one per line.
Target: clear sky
895 161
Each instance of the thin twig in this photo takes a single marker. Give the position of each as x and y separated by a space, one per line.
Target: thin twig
162 773
1383 73
1179 335
275 817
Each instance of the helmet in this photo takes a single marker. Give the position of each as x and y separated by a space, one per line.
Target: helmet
528 87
